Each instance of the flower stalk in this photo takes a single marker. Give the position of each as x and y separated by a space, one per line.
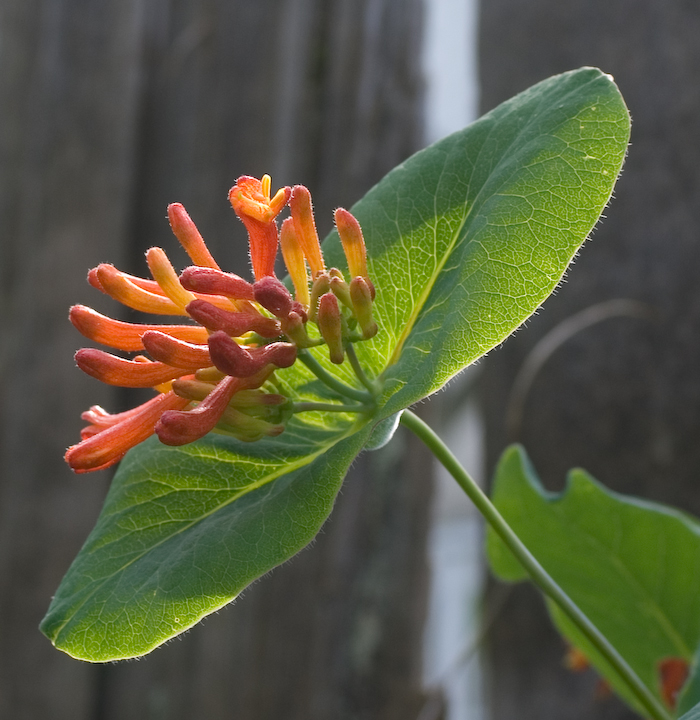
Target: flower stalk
537 573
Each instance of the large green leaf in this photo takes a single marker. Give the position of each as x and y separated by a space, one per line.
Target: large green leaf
185 529
632 566
465 240
689 697
693 714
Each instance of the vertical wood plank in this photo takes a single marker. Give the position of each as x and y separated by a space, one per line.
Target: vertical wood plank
70 70
619 398
131 106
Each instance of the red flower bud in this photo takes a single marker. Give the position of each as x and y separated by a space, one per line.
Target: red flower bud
273 296
174 352
216 282
233 359
232 323
179 428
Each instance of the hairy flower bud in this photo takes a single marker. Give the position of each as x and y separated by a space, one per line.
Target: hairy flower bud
353 242
331 327
273 296
361 296
321 285
233 359
232 323
215 282
305 228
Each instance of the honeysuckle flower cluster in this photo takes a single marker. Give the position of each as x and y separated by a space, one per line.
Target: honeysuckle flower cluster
215 371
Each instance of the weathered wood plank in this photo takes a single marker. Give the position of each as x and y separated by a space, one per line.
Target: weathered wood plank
67 92
619 398
117 110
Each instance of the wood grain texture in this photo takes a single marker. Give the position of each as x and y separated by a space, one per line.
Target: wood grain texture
117 109
620 397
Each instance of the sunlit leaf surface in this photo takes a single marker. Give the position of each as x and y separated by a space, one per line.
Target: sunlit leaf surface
465 240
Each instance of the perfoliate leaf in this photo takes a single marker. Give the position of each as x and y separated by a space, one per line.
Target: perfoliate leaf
464 242
632 566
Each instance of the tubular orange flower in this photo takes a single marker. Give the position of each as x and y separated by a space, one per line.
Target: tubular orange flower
108 444
127 336
222 303
294 260
245 333
305 228
250 199
353 243
186 232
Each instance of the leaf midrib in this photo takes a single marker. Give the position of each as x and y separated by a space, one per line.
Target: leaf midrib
413 318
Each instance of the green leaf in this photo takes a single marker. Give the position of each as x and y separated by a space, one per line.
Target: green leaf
184 530
693 714
689 696
632 566
467 238
464 241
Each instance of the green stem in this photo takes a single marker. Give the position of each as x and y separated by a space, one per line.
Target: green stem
537 573
359 370
330 380
329 407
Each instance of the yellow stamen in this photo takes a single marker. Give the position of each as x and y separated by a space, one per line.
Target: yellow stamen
266 183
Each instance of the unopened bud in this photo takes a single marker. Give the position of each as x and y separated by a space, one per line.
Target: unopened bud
293 327
246 428
294 260
182 427
233 359
341 290
300 310
188 235
273 296
321 285
361 296
305 228
215 282
331 327
232 323
353 242
191 389
170 350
